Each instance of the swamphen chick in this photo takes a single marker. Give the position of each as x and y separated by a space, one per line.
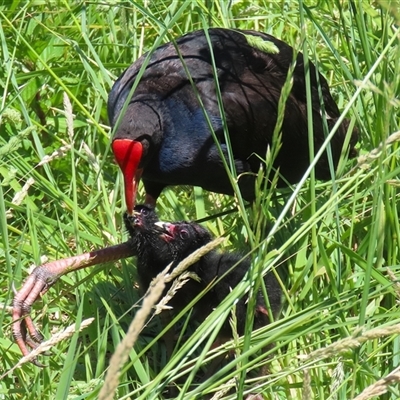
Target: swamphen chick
158 245
164 138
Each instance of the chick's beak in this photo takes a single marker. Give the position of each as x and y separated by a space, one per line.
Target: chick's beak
167 230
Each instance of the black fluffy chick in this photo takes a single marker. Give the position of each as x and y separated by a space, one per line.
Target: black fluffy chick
158 244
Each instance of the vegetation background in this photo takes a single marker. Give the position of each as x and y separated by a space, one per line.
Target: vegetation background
335 244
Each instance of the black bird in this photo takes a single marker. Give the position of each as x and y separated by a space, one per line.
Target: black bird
164 138
158 245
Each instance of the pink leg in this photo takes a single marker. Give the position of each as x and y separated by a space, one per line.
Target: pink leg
42 278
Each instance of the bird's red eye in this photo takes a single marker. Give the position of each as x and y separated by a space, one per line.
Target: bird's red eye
184 234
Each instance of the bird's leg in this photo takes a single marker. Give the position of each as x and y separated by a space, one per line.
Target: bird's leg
42 278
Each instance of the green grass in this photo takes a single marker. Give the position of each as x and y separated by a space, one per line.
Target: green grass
333 243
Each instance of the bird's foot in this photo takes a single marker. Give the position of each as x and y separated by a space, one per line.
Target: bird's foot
41 279
25 333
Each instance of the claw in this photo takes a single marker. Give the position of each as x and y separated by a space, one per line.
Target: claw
24 331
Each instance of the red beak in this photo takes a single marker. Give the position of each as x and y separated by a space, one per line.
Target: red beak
128 154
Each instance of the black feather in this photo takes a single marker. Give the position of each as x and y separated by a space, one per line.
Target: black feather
165 115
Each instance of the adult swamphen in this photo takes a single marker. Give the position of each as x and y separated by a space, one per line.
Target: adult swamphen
158 245
164 138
